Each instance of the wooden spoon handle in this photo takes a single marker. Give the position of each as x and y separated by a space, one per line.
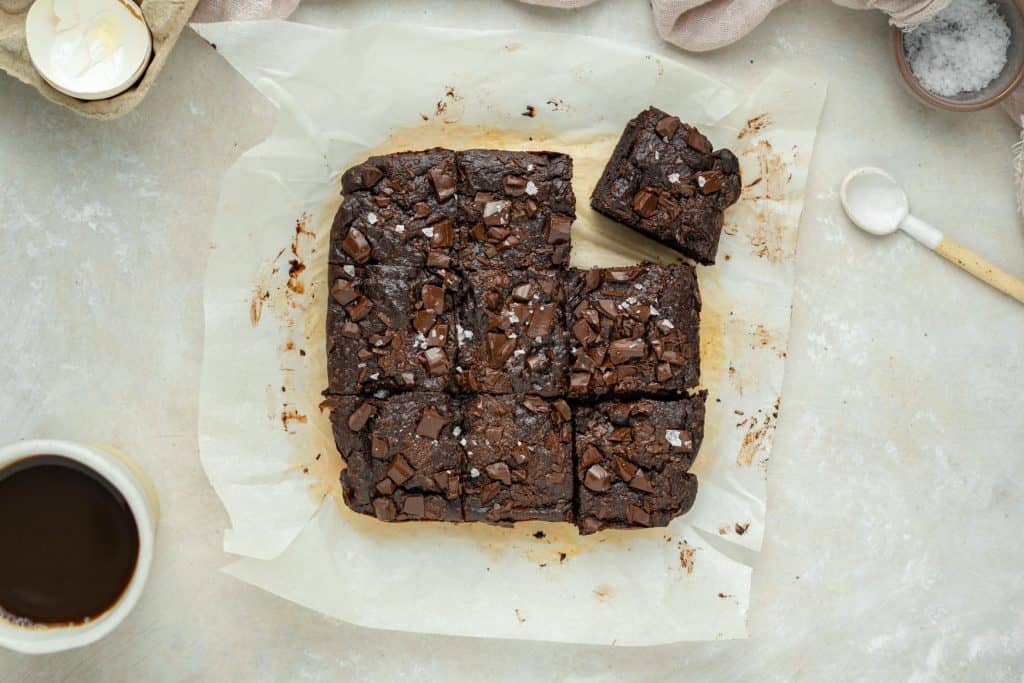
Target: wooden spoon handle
988 273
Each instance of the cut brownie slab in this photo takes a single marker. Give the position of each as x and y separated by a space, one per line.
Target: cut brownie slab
664 180
390 327
633 460
512 337
519 455
634 330
399 210
515 209
402 461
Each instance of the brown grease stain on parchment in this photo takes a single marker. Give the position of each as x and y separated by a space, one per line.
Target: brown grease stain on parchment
294 289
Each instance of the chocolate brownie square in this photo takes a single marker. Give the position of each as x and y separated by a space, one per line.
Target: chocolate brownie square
515 209
519 459
512 337
390 328
664 180
633 460
402 461
634 330
399 210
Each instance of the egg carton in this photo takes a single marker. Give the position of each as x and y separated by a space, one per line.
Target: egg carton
166 19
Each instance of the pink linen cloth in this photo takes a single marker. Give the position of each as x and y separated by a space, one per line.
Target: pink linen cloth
242 10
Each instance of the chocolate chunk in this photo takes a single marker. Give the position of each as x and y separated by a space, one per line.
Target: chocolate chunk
437 259
563 409
358 419
414 506
523 292
379 447
438 337
667 126
436 362
623 350
432 297
597 479
343 292
443 182
583 332
608 307
499 348
351 330
624 468
559 229
699 142
535 404
499 471
359 309
384 509
431 423
621 434
497 212
400 471
361 177
442 235
645 203
641 482
542 321
709 182
514 186
637 516
356 246
423 321
591 455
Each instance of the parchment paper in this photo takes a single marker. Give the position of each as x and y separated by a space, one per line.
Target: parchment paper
267 447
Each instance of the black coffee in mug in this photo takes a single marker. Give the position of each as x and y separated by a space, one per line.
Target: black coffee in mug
68 542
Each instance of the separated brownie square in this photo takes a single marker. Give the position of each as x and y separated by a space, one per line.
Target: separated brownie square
515 209
390 328
519 459
399 210
633 460
664 180
634 330
512 337
402 461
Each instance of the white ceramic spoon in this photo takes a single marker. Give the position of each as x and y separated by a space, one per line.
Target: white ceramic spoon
876 203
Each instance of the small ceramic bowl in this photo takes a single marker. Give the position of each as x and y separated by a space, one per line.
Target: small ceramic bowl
1003 85
125 476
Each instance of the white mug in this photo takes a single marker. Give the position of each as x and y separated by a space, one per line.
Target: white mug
125 476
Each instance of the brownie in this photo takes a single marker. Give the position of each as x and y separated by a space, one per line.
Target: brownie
634 330
664 180
633 460
399 210
512 337
402 460
390 328
519 459
515 209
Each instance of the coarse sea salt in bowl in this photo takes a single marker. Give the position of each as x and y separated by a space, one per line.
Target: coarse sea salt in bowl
968 57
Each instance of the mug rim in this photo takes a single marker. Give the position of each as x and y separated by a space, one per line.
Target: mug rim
43 639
